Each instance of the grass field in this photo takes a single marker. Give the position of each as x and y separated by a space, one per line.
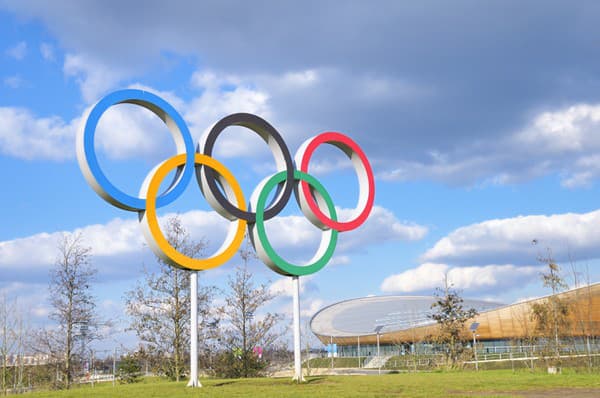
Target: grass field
343 362
444 384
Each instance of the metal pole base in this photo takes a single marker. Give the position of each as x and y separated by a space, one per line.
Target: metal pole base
193 383
300 379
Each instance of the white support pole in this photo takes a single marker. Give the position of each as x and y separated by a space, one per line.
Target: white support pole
297 353
194 381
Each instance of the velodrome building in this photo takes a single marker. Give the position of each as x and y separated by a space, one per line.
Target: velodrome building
399 324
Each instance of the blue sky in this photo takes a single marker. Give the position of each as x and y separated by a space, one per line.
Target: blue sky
482 124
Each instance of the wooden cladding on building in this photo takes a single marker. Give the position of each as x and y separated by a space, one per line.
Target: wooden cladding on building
509 322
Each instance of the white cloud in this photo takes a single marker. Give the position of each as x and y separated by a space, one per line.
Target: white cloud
93 76
284 286
565 130
305 78
564 141
493 277
424 277
27 300
41 311
139 132
14 81
470 255
571 135
294 236
47 51
282 99
557 141
310 307
119 249
112 239
466 169
381 226
119 242
339 260
126 131
222 95
19 51
219 95
428 276
509 240
24 136
367 76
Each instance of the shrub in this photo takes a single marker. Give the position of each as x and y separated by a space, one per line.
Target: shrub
130 370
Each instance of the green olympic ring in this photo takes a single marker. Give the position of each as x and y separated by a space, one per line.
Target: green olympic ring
263 247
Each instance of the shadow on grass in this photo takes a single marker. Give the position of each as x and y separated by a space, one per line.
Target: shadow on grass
320 380
223 383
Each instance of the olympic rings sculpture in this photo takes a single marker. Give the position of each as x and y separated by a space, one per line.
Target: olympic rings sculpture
221 189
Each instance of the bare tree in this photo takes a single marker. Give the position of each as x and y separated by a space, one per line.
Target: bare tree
552 315
50 344
159 305
415 340
7 340
242 331
584 309
71 299
590 330
451 318
310 341
529 337
21 342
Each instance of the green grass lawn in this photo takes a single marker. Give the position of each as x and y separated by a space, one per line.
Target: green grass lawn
499 383
342 362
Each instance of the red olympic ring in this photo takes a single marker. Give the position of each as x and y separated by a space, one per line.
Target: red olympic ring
364 173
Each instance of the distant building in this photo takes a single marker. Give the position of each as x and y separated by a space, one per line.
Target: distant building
27 360
402 323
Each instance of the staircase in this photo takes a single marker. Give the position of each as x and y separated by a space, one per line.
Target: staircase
377 362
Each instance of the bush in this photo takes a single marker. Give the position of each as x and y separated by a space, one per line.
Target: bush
230 365
130 370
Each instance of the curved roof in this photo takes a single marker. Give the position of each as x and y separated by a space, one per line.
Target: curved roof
380 314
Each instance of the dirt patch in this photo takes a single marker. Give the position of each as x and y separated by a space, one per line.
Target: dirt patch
553 393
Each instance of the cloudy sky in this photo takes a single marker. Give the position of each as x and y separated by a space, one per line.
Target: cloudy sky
481 122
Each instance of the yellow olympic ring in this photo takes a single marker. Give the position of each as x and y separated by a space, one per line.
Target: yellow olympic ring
161 246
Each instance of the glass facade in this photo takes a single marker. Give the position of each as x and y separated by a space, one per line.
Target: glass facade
382 314
493 347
